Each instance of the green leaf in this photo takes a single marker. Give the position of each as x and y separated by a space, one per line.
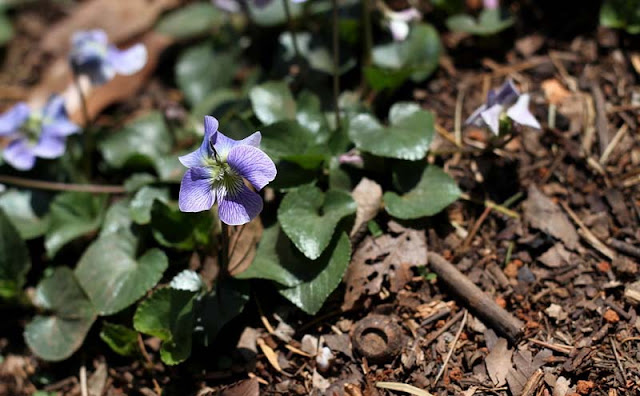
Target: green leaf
308 217
137 181
290 141
14 259
61 332
6 29
72 215
26 210
434 192
489 22
117 219
407 137
272 13
200 70
311 295
380 78
191 20
142 202
121 339
311 117
272 101
168 315
418 54
317 55
175 229
219 307
621 14
113 278
138 144
278 260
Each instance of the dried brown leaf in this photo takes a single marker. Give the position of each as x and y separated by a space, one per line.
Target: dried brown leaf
249 387
556 257
498 362
243 244
542 213
387 257
368 197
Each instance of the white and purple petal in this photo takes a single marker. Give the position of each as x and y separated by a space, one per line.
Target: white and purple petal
224 144
19 154
49 147
505 95
231 6
520 113
13 118
195 191
491 118
239 208
252 164
197 157
128 61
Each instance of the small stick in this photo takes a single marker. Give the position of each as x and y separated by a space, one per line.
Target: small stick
444 328
587 234
458 118
615 354
83 381
602 126
565 349
54 186
452 348
614 142
476 227
625 247
532 384
487 309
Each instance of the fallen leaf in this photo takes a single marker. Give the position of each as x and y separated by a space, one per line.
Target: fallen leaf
498 362
368 197
556 257
98 380
543 214
121 20
554 91
319 382
386 257
243 244
562 386
524 366
249 387
556 312
270 354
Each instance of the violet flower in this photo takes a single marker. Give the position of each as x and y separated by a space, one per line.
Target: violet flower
233 6
398 22
216 173
92 55
30 134
504 103
491 4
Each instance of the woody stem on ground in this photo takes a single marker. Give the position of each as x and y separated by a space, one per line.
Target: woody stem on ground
55 186
294 39
336 62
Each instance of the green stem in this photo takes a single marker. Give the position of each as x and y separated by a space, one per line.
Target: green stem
86 135
224 250
54 186
336 62
294 39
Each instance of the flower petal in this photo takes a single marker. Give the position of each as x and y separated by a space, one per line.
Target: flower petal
491 117
128 61
475 117
56 121
505 95
252 164
231 6
197 157
11 120
97 35
224 144
19 155
49 146
195 191
241 208
520 113
399 29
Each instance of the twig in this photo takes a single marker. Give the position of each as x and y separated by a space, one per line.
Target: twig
615 354
614 142
54 186
397 386
474 230
587 234
602 125
444 328
490 204
263 318
452 348
533 383
486 308
83 381
458 118
565 349
624 247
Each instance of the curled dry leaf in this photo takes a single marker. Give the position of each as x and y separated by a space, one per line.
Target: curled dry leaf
121 20
389 257
545 215
249 387
368 197
243 243
498 362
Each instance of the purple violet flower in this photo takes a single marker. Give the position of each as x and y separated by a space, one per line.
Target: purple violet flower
216 173
491 4
30 134
504 102
233 6
92 55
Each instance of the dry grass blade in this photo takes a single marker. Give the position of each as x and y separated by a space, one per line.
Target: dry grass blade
587 234
398 386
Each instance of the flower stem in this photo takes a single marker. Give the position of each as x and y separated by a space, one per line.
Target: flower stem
368 32
294 39
86 135
336 62
224 250
54 186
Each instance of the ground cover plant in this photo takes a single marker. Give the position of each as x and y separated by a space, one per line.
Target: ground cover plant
340 197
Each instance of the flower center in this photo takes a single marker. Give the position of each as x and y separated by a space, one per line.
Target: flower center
224 180
32 128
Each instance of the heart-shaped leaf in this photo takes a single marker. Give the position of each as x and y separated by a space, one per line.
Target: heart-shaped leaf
490 21
435 191
113 278
138 144
191 20
272 13
175 229
311 294
407 137
117 220
121 339
14 259
140 207
200 70
56 336
168 315
72 215
308 217
290 141
272 101
27 211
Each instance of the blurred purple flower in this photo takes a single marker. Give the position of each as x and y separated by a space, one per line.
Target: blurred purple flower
351 157
30 134
505 101
491 4
216 173
398 22
233 6
92 55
